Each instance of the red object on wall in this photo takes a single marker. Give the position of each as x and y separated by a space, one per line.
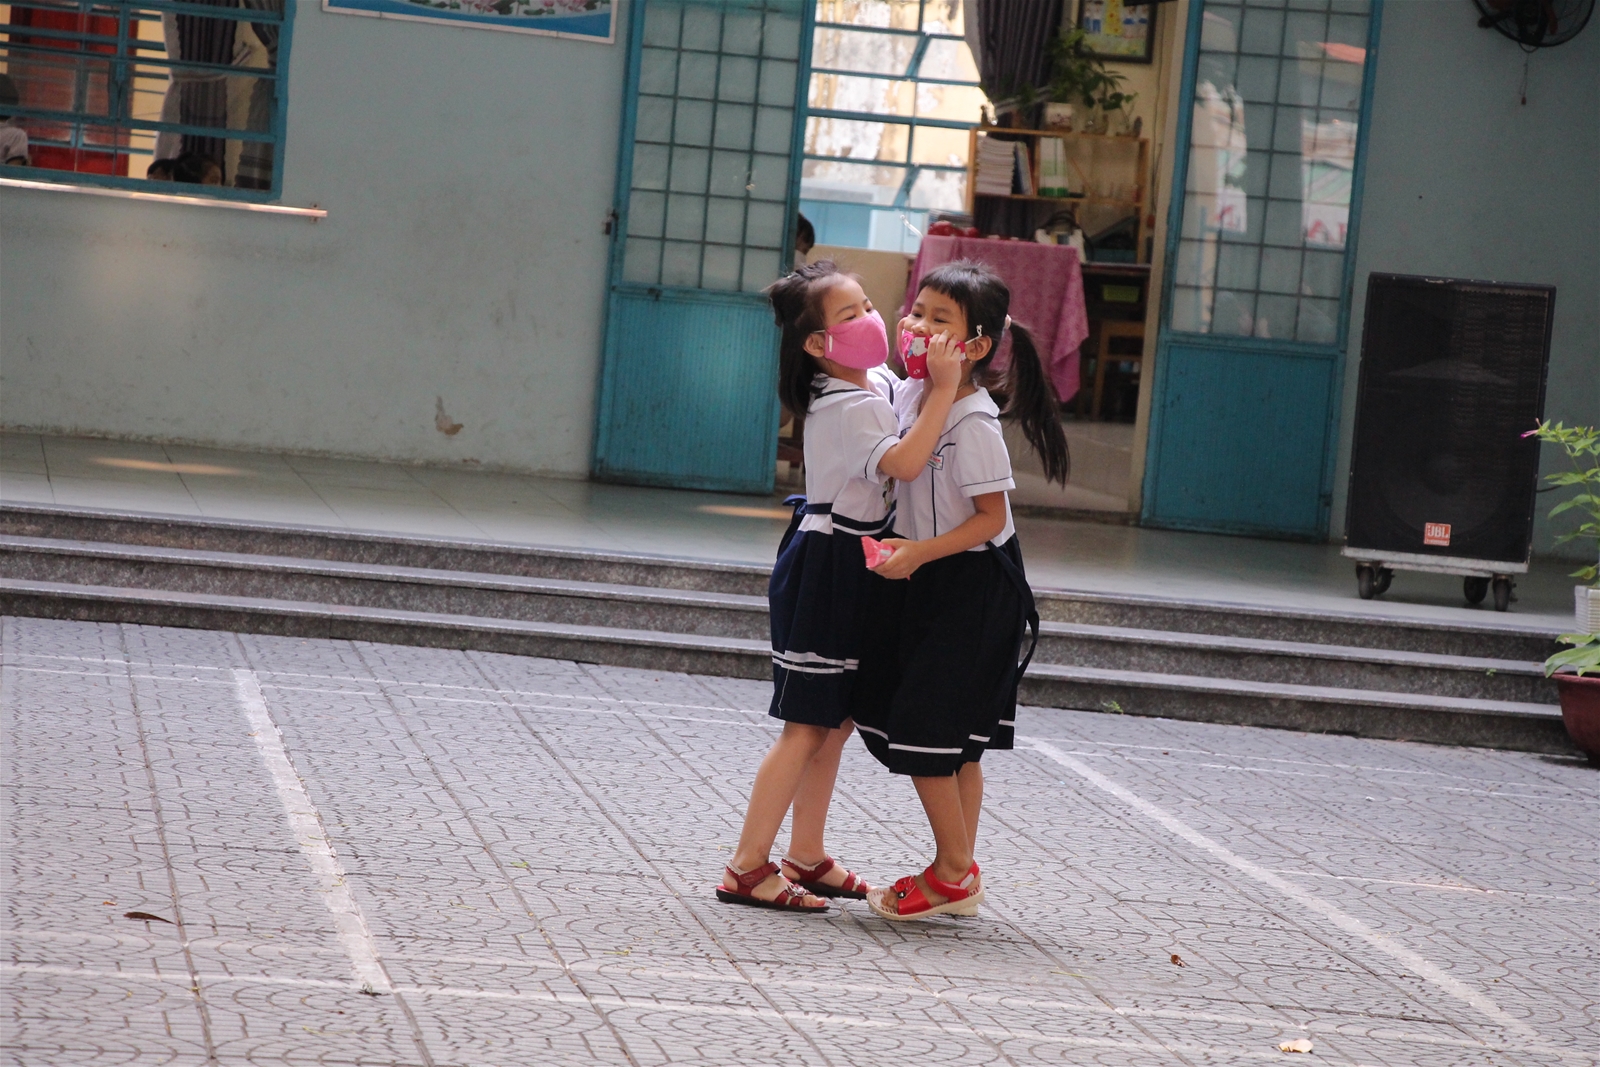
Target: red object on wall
44 81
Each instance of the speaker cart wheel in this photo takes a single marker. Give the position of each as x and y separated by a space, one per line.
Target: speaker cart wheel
1502 592
1475 589
1385 576
1366 580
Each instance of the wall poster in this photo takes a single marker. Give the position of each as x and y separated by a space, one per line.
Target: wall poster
1116 30
584 20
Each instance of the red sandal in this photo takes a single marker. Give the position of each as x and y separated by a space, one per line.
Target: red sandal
854 886
789 898
907 901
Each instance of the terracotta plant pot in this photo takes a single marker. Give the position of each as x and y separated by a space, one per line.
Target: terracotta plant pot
1580 711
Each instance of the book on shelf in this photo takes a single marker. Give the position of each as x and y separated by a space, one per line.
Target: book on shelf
1053 167
1024 169
997 163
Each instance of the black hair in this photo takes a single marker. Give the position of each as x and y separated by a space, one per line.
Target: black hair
1025 392
191 167
804 232
797 306
8 91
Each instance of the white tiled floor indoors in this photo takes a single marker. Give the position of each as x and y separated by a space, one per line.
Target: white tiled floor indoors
477 504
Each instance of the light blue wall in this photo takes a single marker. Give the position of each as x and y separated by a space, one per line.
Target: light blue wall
467 174
1464 180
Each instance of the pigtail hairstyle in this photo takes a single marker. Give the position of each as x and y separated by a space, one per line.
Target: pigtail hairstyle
1024 391
797 306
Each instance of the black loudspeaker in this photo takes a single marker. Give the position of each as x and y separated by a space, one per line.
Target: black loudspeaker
1452 376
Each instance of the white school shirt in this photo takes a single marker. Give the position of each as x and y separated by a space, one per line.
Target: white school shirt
969 460
848 429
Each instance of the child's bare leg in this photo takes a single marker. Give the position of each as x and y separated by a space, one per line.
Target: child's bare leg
777 781
970 780
811 804
941 799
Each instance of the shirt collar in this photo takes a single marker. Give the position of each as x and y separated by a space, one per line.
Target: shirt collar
979 401
834 391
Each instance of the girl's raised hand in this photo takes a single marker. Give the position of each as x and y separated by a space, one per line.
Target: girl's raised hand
903 563
944 361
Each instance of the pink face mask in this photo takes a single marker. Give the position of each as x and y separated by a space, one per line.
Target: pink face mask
914 352
860 344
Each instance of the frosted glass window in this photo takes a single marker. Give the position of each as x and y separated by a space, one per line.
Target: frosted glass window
686 217
711 167
1271 157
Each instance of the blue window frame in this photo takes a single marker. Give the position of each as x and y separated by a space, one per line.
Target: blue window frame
893 94
158 95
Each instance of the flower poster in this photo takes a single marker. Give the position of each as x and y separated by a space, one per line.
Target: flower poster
587 20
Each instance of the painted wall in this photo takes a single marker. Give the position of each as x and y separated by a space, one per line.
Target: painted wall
467 174
1464 180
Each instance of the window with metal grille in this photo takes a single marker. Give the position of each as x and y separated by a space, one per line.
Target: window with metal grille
157 95
894 91
1271 164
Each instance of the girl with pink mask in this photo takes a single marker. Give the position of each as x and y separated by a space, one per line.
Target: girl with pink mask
831 369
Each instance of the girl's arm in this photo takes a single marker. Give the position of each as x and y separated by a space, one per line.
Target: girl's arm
985 525
905 460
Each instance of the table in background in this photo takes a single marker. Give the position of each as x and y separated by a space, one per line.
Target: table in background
1046 284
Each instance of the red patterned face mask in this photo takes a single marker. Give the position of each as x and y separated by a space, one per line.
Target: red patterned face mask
914 351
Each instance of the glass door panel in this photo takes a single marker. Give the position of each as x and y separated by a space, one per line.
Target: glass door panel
1259 254
704 210
1272 151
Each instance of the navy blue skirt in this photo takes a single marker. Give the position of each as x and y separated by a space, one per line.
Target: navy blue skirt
817 599
941 659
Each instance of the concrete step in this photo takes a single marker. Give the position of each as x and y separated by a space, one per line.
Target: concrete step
379 549
1503 638
1369 713
689 653
649 608
381 585
1314 709
1297 662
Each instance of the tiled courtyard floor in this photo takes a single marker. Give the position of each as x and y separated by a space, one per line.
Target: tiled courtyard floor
515 856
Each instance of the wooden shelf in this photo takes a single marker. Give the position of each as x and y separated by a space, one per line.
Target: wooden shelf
1064 199
1137 207
1130 138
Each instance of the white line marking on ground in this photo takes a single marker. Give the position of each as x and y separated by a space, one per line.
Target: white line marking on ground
647 1006
306 823
1321 1025
1345 922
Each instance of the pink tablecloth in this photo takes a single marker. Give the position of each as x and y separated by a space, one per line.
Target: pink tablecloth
1046 296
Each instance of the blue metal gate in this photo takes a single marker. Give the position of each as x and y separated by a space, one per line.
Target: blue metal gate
1260 254
707 182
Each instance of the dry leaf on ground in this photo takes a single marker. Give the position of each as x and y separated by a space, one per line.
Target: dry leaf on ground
1299 1044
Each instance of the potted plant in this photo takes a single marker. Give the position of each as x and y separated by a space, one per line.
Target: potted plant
1577 669
1080 78
1579 689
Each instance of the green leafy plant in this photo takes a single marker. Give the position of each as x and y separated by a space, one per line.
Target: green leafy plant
1582 658
1078 76
1582 445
